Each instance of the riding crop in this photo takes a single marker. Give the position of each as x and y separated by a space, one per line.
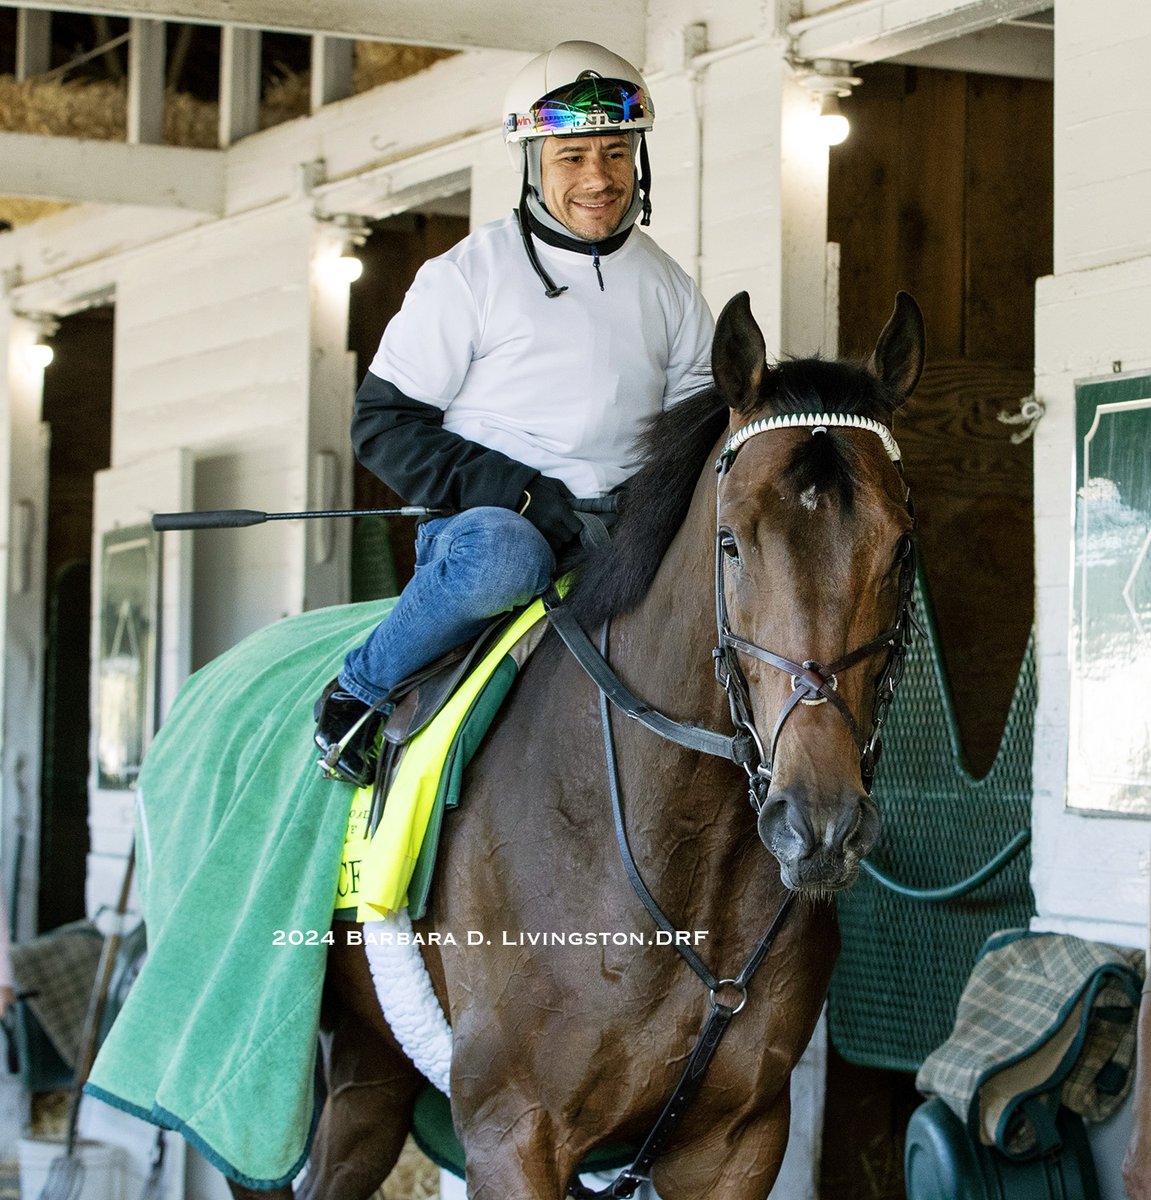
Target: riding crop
232 518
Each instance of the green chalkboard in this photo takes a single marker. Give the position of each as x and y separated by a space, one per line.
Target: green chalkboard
1109 767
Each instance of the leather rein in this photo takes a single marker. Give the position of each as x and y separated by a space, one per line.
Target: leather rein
812 683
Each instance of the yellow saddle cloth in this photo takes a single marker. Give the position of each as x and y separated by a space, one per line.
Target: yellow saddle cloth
389 868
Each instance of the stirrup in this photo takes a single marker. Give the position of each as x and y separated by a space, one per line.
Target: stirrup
329 761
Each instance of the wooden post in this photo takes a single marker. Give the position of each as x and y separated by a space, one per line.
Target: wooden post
332 61
146 81
33 42
239 83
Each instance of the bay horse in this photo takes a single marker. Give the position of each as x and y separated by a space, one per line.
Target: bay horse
802 541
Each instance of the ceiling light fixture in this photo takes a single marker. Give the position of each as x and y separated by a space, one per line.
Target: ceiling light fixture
39 353
347 266
828 81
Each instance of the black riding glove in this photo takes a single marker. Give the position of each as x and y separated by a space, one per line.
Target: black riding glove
547 504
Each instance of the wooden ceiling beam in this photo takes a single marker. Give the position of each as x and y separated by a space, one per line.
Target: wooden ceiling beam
80 170
872 30
531 25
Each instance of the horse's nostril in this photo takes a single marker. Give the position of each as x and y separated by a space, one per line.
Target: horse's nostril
843 828
798 817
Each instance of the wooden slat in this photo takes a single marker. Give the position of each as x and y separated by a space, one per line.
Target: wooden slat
33 42
332 62
77 169
239 83
521 25
931 233
863 215
870 30
146 81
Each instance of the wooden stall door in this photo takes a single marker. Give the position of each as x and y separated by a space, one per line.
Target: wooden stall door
944 189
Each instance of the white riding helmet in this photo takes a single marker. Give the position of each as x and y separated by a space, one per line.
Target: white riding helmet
577 88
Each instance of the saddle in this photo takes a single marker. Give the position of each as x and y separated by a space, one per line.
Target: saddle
442 714
422 694
439 718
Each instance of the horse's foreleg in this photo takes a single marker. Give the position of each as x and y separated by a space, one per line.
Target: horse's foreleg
372 1088
727 1164
514 1156
365 1119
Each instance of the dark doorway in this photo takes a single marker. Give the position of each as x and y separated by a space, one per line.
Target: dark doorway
77 408
944 189
383 554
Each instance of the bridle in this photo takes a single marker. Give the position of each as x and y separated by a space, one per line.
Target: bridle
812 682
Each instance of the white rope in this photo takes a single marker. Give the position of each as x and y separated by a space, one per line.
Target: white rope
1031 411
817 421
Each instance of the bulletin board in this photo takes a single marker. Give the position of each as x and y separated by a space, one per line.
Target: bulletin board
1109 768
126 679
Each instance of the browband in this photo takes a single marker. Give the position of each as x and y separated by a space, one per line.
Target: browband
827 420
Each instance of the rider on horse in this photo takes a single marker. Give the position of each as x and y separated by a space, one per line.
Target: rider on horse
500 410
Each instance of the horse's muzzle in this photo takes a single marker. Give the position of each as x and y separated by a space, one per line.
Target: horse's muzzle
818 843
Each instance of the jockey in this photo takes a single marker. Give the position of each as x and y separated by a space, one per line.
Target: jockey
516 377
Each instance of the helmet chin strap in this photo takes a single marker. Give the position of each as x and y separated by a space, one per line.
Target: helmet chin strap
644 182
551 290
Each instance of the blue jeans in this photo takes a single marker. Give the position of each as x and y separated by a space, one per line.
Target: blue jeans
469 568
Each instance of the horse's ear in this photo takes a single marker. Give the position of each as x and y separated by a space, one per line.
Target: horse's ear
898 356
738 354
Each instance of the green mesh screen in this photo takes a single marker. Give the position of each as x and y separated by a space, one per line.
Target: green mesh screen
904 962
373 565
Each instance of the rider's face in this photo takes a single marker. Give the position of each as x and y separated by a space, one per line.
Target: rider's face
588 182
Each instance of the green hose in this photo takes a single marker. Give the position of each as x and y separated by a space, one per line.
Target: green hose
955 890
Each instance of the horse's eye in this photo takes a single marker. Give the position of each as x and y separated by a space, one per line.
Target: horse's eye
728 544
903 548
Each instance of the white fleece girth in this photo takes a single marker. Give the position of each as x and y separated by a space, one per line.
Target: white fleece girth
407 998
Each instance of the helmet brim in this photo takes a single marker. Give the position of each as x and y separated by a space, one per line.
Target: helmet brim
591 105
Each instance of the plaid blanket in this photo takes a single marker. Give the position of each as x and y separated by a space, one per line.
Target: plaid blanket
57 970
1045 1019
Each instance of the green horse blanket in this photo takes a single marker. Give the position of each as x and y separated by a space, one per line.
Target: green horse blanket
238 850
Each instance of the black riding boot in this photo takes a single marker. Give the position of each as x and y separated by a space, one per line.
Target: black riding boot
346 731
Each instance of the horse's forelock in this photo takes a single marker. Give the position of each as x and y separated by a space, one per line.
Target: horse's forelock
803 385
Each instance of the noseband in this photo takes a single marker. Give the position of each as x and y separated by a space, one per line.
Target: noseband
812 682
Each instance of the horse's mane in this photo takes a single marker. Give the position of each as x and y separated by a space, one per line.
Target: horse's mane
673 450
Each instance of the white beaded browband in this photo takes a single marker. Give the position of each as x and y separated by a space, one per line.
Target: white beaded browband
818 421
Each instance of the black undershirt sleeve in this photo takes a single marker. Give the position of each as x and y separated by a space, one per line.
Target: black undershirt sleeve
403 442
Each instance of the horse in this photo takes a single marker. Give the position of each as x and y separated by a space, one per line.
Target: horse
798 543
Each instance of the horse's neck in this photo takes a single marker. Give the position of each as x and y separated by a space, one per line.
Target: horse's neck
662 648
687 813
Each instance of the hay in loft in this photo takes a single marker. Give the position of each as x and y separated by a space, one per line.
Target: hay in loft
97 109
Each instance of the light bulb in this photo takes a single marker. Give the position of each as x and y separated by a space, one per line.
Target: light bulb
347 268
39 354
833 125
